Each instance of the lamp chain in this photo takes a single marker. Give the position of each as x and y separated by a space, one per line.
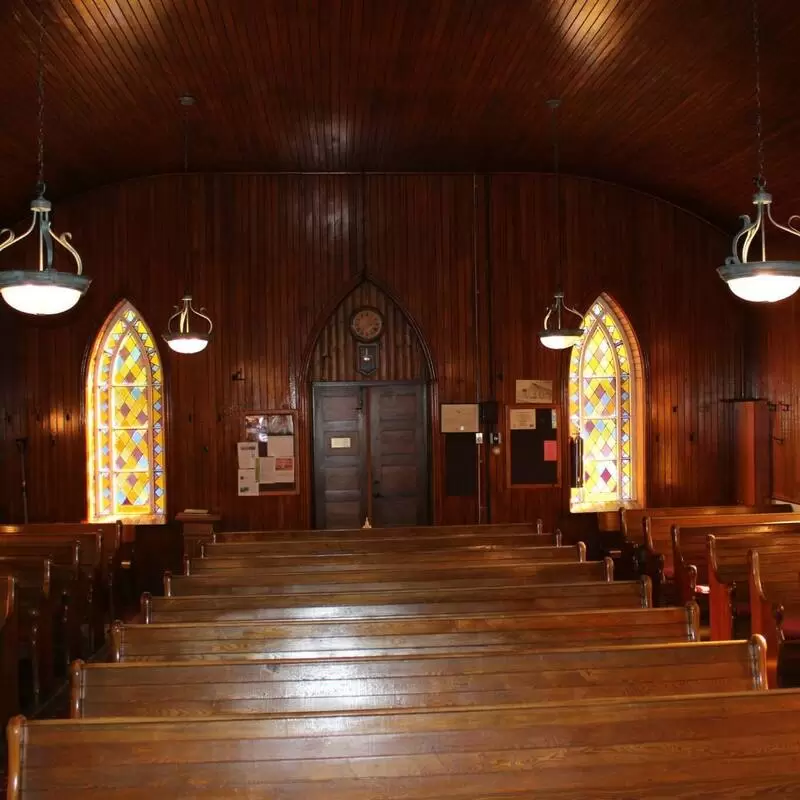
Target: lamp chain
40 95
760 179
554 105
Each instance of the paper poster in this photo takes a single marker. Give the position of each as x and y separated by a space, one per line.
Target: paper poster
280 446
554 419
247 453
550 450
284 470
522 419
341 443
530 391
460 418
248 485
266 470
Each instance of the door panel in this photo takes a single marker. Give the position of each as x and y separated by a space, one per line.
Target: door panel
339 457
399 460
370 455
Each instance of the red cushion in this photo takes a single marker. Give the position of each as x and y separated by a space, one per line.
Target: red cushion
701 589
669 573
791 625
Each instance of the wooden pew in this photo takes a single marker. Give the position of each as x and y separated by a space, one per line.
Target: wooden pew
117 547
774 586
41 617
399 542
381 561
690 552
67 578
657 533
715 746
483 532
441 634
728 570
257 582
425 600
175 689
631 519
9 650
95 599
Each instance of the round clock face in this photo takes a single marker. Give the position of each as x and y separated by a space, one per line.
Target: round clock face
366 324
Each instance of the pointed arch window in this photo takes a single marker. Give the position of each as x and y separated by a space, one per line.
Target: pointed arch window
606 393
125 422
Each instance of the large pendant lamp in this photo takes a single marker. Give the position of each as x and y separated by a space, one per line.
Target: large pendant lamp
760 280
558 333
188 330
45 290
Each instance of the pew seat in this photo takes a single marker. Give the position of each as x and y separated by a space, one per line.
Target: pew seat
426 601
174 689
308 638
255 581
713 746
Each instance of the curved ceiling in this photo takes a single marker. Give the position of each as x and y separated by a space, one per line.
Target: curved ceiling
657 94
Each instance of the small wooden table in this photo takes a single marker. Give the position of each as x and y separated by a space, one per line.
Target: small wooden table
196 528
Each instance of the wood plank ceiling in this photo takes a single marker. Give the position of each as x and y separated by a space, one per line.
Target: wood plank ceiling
658 94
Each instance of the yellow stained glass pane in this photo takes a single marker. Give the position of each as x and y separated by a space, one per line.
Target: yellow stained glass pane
125 410
601 405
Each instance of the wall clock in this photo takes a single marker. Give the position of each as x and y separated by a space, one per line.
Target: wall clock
366 324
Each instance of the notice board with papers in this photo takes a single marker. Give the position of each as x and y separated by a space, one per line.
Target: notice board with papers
267 454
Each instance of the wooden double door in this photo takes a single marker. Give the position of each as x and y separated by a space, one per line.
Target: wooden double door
370 454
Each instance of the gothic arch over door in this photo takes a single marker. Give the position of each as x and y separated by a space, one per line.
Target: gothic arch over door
371 437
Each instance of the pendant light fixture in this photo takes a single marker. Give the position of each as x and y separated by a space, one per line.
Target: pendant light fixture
44 290
182 335
556 334
760 280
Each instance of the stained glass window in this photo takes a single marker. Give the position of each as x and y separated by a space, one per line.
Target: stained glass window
605 389
125 422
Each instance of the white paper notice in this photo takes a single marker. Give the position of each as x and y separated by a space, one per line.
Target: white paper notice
248 485
522 419
248 451
266 470
284 470
280 446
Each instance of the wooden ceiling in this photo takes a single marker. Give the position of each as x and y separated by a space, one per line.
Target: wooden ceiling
657 94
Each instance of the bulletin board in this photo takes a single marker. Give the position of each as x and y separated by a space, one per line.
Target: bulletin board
267 454
533 450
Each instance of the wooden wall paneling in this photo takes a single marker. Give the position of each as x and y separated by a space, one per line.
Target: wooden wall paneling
273 256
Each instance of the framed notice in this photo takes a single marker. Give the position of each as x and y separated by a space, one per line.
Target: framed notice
268 454
531 391
533 451
460 418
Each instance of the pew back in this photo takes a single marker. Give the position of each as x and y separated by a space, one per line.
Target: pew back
394 542
477 532
347 562
9 649
658 530
175 689
402 602
631 519
371 579
400 635
644 748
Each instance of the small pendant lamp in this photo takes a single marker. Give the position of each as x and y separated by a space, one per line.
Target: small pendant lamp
43 291
182 335
760 280
556 334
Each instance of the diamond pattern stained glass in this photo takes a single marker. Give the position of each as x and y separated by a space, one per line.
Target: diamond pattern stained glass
601 400
125 422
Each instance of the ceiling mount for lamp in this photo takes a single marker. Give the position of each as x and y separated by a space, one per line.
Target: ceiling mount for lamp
559 337
186 339
45 290
760 280
554 335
